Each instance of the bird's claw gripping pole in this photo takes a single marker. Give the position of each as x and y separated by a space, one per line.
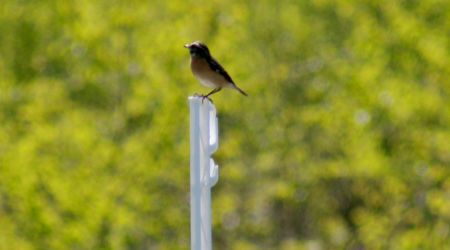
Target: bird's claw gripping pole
204 173
203 97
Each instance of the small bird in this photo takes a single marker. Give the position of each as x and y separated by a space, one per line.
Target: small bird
207 70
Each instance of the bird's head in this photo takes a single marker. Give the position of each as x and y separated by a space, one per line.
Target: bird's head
197 48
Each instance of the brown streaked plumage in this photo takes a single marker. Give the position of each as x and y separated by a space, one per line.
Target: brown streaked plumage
207 70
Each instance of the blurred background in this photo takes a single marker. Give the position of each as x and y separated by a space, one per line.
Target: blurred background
342 143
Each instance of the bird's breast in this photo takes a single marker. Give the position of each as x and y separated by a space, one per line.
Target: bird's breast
205 75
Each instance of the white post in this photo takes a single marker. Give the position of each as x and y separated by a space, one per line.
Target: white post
204 140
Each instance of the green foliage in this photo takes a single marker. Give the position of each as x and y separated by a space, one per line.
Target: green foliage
343 142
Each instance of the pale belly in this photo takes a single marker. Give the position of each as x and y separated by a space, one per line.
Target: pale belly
206 82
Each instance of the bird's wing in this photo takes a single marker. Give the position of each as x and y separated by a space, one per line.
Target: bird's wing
218 68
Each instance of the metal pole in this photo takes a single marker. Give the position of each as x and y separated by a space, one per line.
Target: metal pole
203 170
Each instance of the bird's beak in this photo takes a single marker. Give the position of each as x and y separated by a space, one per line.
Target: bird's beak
187 45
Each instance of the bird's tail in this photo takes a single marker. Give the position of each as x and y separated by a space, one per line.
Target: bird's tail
240 90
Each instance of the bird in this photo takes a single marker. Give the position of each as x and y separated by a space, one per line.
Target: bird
208 70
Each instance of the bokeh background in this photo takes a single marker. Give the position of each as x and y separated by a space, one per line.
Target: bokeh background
342 143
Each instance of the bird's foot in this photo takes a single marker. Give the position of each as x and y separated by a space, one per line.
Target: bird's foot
203 97
206 97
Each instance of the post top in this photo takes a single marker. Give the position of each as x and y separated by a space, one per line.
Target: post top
197 98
